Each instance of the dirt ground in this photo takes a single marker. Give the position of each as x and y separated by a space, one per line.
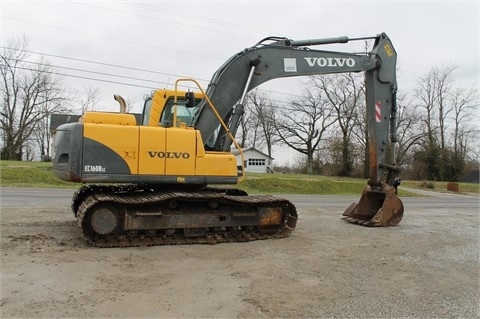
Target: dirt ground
426 267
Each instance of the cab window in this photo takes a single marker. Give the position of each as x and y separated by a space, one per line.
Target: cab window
184 114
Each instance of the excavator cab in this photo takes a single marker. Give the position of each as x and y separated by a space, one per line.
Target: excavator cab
160 108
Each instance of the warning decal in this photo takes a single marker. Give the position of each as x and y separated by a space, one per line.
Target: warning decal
290 64
378 112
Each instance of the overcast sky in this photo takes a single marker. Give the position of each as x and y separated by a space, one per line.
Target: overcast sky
194 38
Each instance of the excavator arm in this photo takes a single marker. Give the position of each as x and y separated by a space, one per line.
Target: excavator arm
274 58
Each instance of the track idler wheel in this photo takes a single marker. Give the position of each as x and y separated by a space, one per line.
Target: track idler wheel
377 207
104 219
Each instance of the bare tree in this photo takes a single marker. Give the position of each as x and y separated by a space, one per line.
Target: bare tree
445 108
263 109
409 131
302 126
42 138
247 134
344 93
29 95
443 78
89 98
426 92
463 102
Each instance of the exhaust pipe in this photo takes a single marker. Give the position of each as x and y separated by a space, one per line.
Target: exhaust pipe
121 101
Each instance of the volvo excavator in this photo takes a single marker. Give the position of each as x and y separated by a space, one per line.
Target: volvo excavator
147 183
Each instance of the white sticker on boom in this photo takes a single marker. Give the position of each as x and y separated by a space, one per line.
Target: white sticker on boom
290 64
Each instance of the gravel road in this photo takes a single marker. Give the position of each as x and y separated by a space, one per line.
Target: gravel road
428 266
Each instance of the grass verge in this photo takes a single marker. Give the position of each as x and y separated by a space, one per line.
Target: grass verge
30 174
38 174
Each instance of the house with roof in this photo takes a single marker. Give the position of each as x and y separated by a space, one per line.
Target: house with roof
254 160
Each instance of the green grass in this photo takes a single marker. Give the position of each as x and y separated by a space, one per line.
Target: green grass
442 186
300 184
256 183
37 174
30 174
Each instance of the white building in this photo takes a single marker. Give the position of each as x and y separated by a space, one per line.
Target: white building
254 160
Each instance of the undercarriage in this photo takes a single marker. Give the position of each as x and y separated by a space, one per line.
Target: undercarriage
142 215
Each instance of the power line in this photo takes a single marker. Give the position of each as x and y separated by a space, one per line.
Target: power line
124 67
173 12
197 17
114 39
157 19
83 77
276 101
89 71
96 62
122 83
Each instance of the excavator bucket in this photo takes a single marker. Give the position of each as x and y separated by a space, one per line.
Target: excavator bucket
377 207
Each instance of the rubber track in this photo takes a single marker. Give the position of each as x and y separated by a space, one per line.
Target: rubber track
133 199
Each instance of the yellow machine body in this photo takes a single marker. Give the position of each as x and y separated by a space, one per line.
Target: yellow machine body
162 151
115 148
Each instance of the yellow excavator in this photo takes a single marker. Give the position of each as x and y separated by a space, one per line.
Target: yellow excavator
147 180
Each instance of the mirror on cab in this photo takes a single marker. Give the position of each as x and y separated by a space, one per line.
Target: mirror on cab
190 99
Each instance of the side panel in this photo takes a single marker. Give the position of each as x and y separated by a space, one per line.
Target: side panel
109 118
217 164
110 149
180 152
152 145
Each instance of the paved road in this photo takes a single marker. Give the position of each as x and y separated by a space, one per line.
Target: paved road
31 197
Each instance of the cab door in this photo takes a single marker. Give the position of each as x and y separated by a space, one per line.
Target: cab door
152 150
180 151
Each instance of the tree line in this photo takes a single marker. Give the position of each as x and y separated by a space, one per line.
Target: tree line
325 125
